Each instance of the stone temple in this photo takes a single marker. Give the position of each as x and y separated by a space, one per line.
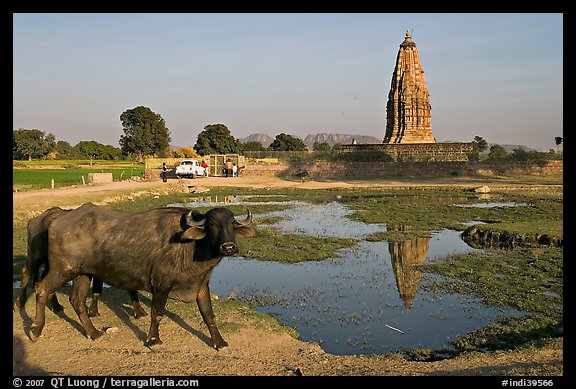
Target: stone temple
408 134
408 107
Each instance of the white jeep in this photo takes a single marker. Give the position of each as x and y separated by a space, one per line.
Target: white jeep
189 168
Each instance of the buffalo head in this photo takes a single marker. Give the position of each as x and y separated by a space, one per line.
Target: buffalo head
219 227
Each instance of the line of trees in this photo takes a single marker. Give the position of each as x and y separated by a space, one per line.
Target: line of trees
146 134
499 153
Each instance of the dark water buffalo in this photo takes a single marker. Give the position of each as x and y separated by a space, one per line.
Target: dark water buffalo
169 252
37 256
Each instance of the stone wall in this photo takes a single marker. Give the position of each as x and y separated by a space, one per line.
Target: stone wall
417 151
405 169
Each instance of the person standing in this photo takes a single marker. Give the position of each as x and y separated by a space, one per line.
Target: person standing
164 172
229 167
205 166
234 170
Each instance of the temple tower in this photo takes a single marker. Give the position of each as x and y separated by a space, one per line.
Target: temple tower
408 107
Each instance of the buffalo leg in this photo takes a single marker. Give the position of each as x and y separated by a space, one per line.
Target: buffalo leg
97 287
25 279
45 288
157 313
55 306
205 307
138 310
80 288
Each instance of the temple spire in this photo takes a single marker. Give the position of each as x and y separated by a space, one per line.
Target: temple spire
408 107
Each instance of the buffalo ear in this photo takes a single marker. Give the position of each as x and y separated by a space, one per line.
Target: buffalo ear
192 233
245 231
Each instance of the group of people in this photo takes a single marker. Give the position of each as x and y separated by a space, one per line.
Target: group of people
230 169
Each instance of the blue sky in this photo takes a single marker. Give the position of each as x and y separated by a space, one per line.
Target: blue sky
499 76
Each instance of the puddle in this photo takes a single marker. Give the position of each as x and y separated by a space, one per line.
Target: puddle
323 221
348 304
367 301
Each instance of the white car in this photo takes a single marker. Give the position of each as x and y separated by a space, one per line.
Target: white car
189 168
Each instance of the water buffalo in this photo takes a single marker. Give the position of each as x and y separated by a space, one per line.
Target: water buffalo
37 256
169 252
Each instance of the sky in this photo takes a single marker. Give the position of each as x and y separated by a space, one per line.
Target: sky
494 75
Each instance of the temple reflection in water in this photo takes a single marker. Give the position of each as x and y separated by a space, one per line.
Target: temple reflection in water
404 254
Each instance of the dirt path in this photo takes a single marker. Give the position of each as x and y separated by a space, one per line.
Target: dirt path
256 348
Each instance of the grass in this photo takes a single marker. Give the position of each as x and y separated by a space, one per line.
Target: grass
27 179
273 245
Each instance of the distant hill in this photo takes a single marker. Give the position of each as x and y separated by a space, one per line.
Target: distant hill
264 139
309 140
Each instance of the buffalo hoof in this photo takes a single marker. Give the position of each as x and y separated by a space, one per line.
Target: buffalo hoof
220 345
35 333
153 343
95 335
139 312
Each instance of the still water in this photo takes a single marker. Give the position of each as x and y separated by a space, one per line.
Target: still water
368 300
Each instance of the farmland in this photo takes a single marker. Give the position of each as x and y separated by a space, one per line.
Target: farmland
34 175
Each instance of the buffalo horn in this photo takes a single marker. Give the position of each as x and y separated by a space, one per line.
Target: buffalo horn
246 222
192 223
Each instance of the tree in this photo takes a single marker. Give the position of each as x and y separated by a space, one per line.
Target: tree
558 140
321 146
90 149
254 145
479 144
28 144
497 153
217 139
184 152
520 154
286 142
145 133
65 150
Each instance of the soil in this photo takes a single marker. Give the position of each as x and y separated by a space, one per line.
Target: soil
256 348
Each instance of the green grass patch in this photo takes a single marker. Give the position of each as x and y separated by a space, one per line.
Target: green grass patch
42 178
273 245
435 209
527 279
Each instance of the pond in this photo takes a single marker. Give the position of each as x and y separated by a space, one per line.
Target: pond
369 300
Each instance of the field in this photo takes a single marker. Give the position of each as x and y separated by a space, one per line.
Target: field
33 175
261 346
